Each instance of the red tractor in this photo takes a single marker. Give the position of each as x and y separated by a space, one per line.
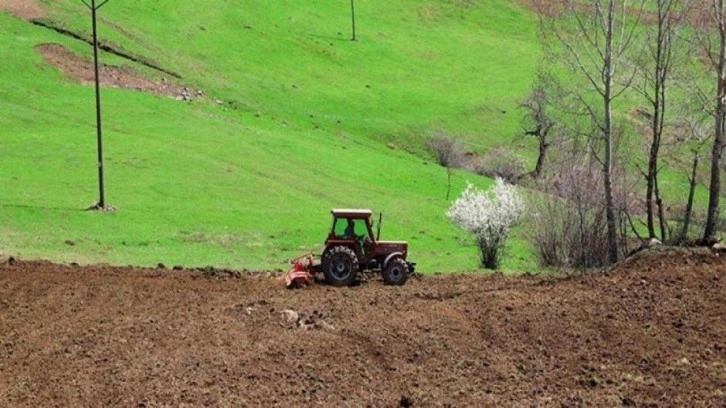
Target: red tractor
351 247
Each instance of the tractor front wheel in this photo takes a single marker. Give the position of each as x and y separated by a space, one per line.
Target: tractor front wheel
396 272
340 266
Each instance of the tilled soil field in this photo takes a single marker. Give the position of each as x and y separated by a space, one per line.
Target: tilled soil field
651 332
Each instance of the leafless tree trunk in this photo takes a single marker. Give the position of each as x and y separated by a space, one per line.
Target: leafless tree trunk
655 67
693 182
698 137
596 49
537 121
607 98
718 62
448 153
448 182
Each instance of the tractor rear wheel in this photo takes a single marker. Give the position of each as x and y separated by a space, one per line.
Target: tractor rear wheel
340 266
396 272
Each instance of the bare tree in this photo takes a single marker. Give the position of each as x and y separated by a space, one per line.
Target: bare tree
449 153
537 121
595 38
655 67
713 41
697 136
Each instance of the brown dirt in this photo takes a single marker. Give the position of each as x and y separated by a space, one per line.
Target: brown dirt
650 333
25 9
81 70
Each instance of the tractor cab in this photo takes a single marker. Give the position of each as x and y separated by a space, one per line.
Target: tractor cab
353 229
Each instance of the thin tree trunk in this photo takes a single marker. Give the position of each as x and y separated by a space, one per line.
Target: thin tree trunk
608 140
649 191
662 58
653 158
664 54
661 212
609 199
709 233
448 182
691 193
715 185
543 146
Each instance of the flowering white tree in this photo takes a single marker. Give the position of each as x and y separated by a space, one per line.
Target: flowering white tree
489 216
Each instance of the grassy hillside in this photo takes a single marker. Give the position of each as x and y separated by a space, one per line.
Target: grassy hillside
418 66
304 120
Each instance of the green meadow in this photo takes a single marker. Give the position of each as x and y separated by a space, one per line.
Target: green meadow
296 119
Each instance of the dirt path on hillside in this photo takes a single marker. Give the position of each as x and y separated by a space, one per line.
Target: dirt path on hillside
82 70
25 9
652 333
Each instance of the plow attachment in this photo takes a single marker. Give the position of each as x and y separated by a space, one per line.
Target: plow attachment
302 272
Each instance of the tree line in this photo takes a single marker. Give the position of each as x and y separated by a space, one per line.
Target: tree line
655 49
656 66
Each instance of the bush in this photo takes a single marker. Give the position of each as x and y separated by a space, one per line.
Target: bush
489 216
503 163
569 222
447 150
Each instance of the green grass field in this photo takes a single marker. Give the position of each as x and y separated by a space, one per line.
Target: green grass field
309 121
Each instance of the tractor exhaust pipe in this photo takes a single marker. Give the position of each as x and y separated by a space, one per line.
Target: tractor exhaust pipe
380 220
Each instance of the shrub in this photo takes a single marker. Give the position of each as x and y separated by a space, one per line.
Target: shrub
569 227
503 163
447 150
488 216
